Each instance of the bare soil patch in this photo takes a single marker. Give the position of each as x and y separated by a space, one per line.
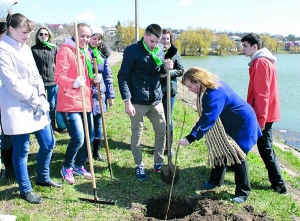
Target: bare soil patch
194 209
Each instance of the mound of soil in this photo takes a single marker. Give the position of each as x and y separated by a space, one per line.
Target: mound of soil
194 209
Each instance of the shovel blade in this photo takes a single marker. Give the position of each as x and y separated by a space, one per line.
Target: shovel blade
167 173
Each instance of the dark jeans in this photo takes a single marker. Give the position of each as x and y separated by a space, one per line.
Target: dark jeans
267 153
241 177
52 97
98 126
76 151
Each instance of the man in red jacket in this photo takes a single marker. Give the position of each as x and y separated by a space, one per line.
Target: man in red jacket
263 96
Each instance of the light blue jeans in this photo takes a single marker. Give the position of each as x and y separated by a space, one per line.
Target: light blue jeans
76 152
21 145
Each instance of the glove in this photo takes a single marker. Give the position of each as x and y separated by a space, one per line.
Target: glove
98 78
42 109
79 82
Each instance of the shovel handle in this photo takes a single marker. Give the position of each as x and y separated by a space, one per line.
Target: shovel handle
169 117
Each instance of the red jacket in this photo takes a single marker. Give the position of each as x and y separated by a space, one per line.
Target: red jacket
69 99
263 94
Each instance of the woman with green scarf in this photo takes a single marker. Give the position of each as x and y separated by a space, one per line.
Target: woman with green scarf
106 88
44 53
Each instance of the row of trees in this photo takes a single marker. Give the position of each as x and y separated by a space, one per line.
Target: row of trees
195 41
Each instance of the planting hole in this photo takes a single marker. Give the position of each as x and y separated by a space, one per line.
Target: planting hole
179 208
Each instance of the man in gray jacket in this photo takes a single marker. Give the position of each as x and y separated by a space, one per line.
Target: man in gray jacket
139 83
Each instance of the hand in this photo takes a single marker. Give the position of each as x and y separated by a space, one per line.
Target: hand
98 78
169 64
129 108
42 108
184 142
111 102
79 82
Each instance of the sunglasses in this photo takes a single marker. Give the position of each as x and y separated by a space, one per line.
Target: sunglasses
41 34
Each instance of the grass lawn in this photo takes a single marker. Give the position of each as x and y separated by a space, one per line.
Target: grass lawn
64 203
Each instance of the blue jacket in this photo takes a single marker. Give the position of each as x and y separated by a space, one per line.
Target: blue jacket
237 116
139 76
106 86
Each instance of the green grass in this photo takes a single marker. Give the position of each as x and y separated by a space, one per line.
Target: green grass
64 203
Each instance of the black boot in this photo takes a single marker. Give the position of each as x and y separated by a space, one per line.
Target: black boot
96 150
7 161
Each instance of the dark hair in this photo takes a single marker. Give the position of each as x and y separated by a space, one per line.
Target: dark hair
166 31
154 29
50 35
253 39
2 27
18 20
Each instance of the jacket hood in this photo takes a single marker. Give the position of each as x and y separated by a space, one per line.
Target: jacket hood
264 52
71 44
69 41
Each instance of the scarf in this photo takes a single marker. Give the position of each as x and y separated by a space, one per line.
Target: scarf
48 44
97 55
88 63
153 53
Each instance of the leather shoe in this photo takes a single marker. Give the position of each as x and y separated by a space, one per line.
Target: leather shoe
31 197
50 183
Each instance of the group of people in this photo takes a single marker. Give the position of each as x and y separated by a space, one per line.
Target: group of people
37 83
142 84
40 81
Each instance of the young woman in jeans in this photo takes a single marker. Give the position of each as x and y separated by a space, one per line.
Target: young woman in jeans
24 108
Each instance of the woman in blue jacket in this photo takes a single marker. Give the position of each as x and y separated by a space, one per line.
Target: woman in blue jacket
106 88
218 100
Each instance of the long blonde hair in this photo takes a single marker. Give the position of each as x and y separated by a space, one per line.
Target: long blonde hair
199 75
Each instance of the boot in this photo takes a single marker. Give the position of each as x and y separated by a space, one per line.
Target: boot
55 132
7 161
96 150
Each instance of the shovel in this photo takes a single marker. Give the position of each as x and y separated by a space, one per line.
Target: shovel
169 172
86 130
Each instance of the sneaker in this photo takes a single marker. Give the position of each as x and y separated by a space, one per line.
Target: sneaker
81 171
157 167
67 174
239 199
140 172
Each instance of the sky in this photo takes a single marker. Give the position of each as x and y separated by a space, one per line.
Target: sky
258 16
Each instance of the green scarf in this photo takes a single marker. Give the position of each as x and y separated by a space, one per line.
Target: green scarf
97 55
88 63
48 44
153 53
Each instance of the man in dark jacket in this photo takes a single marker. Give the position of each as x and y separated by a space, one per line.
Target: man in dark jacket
139 84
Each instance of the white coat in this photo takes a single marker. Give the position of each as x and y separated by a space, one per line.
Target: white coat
21 87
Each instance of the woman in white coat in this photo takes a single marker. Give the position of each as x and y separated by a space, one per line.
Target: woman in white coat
24 108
